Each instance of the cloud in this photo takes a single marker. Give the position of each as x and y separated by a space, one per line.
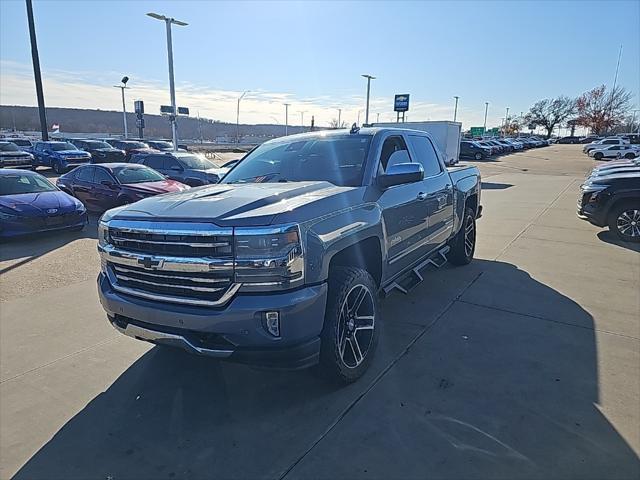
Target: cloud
86 89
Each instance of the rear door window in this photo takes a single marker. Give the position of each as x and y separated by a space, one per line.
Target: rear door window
101 175
85 174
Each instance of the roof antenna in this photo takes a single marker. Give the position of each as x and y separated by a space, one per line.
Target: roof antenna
354 128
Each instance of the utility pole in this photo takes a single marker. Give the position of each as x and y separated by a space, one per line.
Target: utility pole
172 89
369 78
124 106
506 121
302 112
286 119
238 117
486 110
455 111
36 72
339 115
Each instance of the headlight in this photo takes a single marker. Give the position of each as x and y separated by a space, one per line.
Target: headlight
588 188
269 258
80 207
103 233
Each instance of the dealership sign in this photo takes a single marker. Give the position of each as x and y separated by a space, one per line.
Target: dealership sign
401 103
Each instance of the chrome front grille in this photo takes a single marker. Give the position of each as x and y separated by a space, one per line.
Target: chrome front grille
183 244
188 263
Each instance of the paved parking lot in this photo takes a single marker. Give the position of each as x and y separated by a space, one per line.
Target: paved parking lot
524 364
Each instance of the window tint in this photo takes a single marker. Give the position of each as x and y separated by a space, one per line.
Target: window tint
154 161
426 155
390 146
100 175
85 174
610 141
170 162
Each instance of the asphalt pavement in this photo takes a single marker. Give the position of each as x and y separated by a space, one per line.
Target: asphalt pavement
524 364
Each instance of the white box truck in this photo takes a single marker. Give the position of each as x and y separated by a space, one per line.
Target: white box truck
446 135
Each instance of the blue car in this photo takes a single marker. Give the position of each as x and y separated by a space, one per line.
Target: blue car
61 156
29 203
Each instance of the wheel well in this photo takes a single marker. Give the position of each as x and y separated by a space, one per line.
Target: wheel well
365 254
621 201
472 202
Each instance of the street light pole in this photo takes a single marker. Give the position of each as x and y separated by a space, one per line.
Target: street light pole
35 58
238 117
124 105
302 112
455 111
486 110
369 78
339 115
506 121
172 90
286 119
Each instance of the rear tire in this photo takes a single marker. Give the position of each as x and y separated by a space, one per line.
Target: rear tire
463 245
624 221
629 156
478 156
598 156
351 325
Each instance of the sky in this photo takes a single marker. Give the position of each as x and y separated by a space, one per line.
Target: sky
312 55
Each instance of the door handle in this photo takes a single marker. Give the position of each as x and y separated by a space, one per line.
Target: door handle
422 196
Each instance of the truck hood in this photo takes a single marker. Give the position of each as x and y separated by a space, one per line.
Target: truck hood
238 204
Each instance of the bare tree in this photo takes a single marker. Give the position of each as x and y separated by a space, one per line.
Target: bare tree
334 123
602 110
549 113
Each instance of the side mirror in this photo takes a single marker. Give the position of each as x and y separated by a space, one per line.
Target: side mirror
401 173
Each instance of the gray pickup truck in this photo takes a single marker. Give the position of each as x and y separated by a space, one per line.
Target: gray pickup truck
282 263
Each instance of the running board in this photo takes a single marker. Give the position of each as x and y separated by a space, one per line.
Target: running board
413 278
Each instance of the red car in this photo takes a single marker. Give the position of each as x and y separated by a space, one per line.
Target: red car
103 186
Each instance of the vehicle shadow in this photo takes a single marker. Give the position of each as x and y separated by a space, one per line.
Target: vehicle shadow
30 247
611 238
172 415
495 186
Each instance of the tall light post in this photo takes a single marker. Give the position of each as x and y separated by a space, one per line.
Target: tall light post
377 117
124 105
359 112
339 115
506 121
238 116
486 110
455 110
369 78
286 119
172 89
36 72
302 112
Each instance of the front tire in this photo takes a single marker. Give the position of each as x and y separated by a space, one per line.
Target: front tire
478 156
463 245
351 324
624 221
57 167
598 156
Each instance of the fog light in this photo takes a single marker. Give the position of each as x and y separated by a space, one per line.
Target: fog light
272 323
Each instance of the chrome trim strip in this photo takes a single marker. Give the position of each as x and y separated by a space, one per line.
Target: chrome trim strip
148 335
169 285
176 277
169 242
175 264
170 228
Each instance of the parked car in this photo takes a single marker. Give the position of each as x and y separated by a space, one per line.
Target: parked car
616 165
185 167
498 147
614 151
605 141
569 139
162 145
101 152
613 200
590 139
474 150
516 144
107 185
11 156
508 146
22 143
130 147
492 148
61 156
282 263
29 203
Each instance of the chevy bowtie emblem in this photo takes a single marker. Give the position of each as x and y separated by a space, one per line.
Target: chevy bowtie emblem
150 262
52 210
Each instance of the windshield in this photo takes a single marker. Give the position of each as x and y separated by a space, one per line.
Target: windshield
60 146
129 175
194 162
134 145
335 159
24 183
8 147
97 144
161 145
21 143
